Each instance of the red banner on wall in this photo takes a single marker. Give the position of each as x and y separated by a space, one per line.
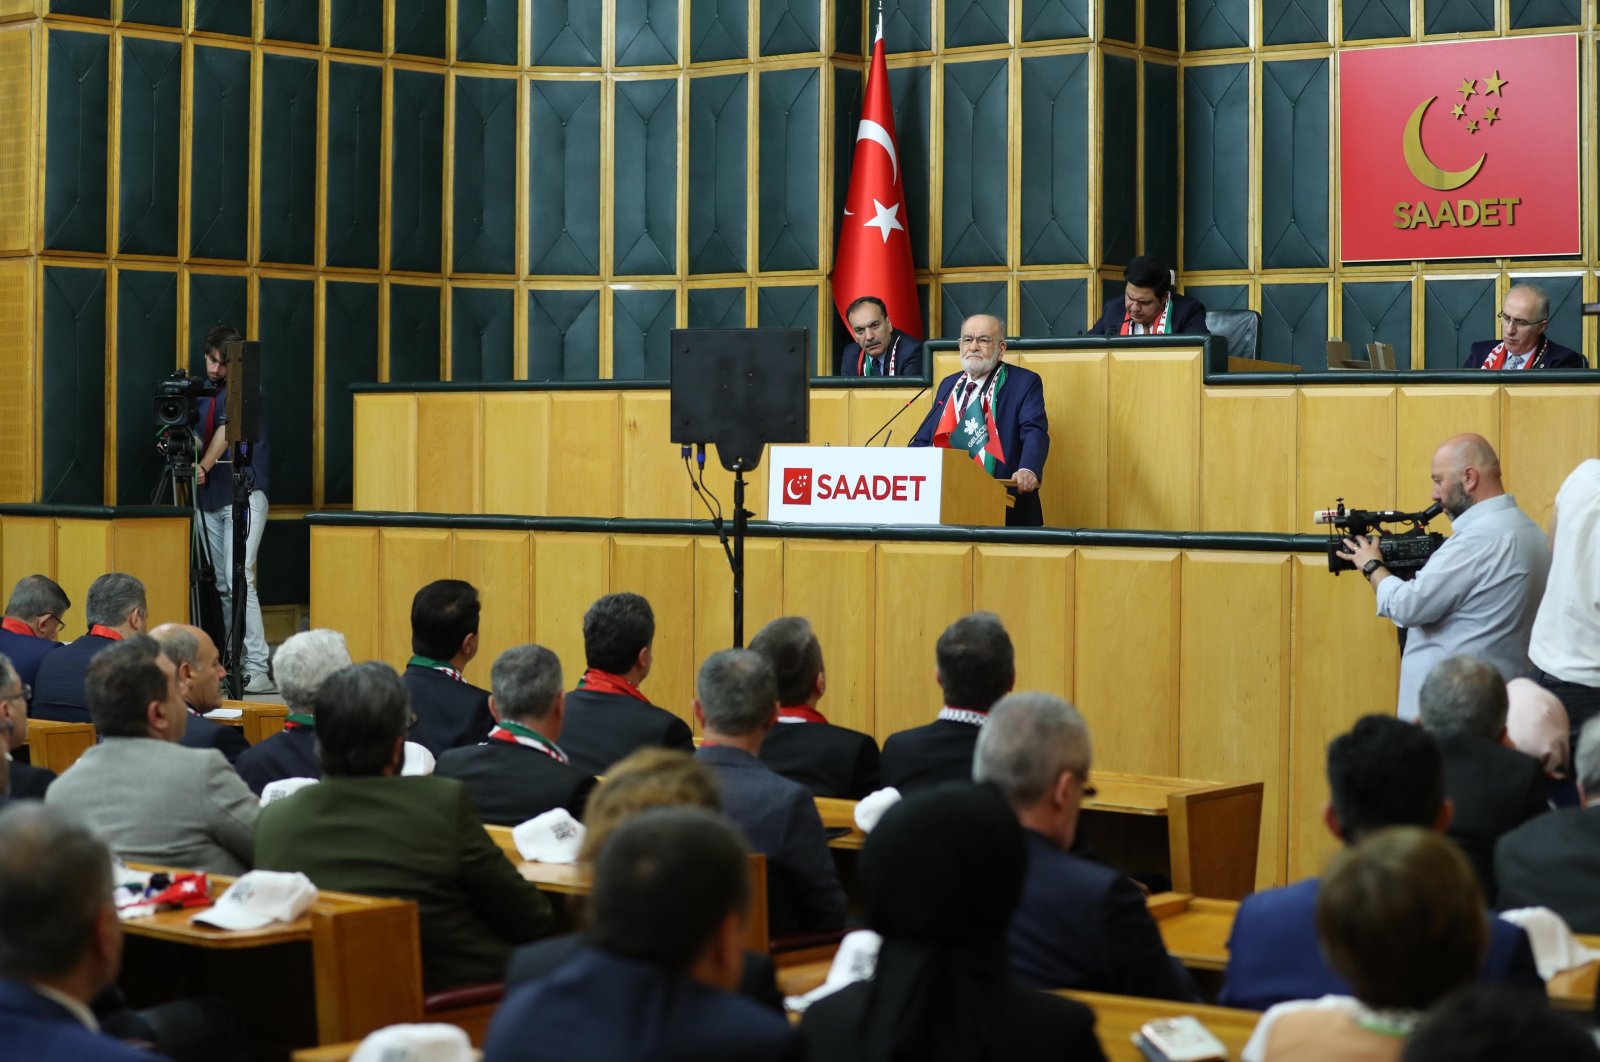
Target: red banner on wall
1460 150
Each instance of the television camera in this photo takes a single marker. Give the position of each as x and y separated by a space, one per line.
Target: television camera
1403 552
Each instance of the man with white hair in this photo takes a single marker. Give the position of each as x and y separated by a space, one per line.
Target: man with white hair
1554 860
1524 317
1079 924
300 664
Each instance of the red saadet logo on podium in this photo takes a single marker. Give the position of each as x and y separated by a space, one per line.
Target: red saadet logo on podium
1460 150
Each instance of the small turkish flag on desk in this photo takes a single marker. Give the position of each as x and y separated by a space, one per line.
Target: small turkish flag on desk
874 246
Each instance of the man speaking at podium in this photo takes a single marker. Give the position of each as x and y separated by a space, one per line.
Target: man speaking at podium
995 412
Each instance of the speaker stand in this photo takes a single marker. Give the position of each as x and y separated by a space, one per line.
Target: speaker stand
741 519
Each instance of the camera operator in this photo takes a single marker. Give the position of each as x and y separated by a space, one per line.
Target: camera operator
1477 596
214 500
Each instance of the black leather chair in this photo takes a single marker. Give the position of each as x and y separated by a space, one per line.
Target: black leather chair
1241 328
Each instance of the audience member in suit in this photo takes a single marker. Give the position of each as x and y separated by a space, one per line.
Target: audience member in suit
366 829
520 772
1484 1023
1567 627
1524 316
1384 772
607 715
1079 924
942 873
450 711
736 704
148 797
880 349
976 667
1149 306
1492 789
200 675
300 665
665 950
1554 860
115 609
829 760
1401 921
27 782
34 617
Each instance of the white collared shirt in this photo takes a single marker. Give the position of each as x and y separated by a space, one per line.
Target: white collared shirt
77 1007
1568 626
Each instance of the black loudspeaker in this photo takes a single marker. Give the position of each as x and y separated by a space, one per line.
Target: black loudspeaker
243 358
740 388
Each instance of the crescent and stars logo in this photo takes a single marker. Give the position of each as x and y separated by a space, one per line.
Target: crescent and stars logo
797 486
1462 213
884 218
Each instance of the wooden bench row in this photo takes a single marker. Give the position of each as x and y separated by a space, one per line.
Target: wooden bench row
56 745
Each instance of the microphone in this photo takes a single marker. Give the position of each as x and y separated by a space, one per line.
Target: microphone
886 439
896 416
1386 516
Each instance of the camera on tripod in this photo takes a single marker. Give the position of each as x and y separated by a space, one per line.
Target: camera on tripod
1403 552
177 411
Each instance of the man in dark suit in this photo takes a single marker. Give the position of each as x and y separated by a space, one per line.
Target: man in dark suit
365 829
880 348
450 711
736 704
608 716
995 412
300 665
1554 860
1384 772
1492 789
1524 317
1079 924
116 608
520 772
1149 306
34 617
200 675
665 951
976 667
27 781
831 761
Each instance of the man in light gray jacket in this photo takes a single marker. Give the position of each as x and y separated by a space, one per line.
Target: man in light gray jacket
151 799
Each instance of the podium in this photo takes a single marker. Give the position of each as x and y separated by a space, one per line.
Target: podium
877 485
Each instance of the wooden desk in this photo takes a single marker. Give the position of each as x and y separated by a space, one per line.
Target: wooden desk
1117 1018
259 721
55 745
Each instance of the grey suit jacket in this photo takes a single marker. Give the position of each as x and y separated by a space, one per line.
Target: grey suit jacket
153 801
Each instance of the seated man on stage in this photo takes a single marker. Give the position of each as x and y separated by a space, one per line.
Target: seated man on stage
1524 316
1149 306
880 348
995 412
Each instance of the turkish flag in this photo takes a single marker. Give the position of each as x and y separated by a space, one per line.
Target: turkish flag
874 246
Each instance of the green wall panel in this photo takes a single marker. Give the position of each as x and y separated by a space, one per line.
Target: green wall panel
416 169
1294 21
1055 159
350 355
1161 161
147 331
355 124
288 159
847 30
1372 19
564 179
484 219
1052 308
214 299
719 171
1534 14
846 120
286 554
290 20
563 335
786 212
788 307
566 33
1049 20
911 91
86 8
1121 20
219 163
1161 24
1119 166
1218 24
356 24
718 29
1457 16
1377 312
75 142
414 332
1294 221
482 334
974 22
73 422
1216 152
1294 324
641 326
1220 296
716 307
152 87
1566 309
790 26
1455 315
975 138
486 31
907 28
288 338
224 16
419 27
153 12
645 132
647 32
962 300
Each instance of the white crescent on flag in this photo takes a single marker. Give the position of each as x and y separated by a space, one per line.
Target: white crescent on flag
870 130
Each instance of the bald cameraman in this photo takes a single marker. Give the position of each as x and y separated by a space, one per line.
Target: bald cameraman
1477 596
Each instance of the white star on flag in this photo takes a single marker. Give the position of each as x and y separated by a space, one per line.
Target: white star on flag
885 219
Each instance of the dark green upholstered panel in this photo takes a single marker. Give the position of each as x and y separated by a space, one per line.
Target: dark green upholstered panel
285 555
644 221
214 299
1161 24
419 27
564 178
223 16
152 88
1368 19
1049 20
1294 217
718 29
1294 21
288 159
1216 151
413 333
1566 309
847 30
647 32
975 138
566 33
1218 24
718 171
786 220
1222 297
486 31
356 24
906 28
86 8
1455 315
219 183
1055 159
911 91
787 307
716 307
75 143
846 119
563 335
1294 324
484 218
1530 14
288 346
1052 308
1121 20
289 20
790 26
355 124
153 12
962 300
641 323
482 334
350 353
973 22
1161 160
1119 166
1378 312
147 329
1457 16
416 161
73 423
1109 289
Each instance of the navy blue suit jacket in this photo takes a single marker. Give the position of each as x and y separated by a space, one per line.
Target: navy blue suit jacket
929 755
58 691
1024 430
1188 317
907 356
37 1028
1556 356
25 652
831 761
450 714
29 782
1273 955
203 733
286 754
601 728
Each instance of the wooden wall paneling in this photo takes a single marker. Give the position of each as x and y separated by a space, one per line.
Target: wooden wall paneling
922 588
713 592
661 567
830 417
449 453
831 584
1545 432
1153 440
1346 450
345 586
1247 459
18 139
870 409
386 449
19 401
1074 488
1426 417
652 465
516 454
410 558
719 484
1031 589
570 573
1126 649
83 554
1234 704
28 547
157 552
583 454
500 565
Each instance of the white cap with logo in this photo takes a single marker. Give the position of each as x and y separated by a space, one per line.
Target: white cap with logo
260 898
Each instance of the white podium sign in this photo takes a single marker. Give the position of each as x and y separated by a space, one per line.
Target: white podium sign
854 485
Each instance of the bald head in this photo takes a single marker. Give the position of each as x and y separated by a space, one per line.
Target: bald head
200 670
1466 471
982 342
